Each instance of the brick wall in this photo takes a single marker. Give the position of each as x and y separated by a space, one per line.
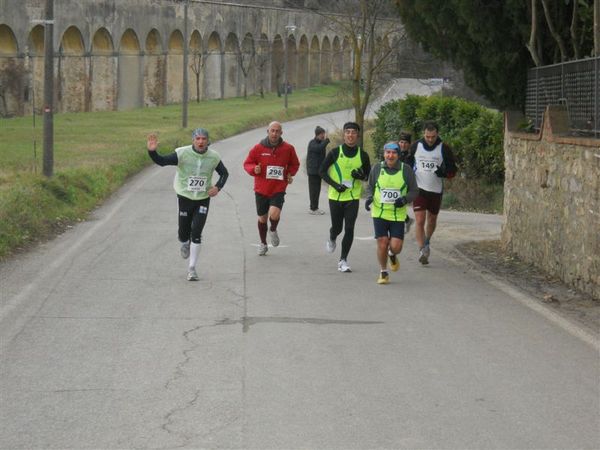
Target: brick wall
552 200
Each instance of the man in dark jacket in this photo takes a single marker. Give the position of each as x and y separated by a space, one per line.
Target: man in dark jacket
314 157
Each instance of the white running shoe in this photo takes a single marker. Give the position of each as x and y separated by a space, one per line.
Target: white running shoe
343 266
262 249
330 246
424 255
185 250
274 238
192 275
319 212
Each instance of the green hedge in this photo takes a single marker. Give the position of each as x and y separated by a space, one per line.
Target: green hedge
475 133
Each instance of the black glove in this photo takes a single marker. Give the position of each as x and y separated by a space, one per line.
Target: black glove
368 204
400 202
441 171
358 174
340 187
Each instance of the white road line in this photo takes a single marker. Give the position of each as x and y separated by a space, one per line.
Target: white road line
530 302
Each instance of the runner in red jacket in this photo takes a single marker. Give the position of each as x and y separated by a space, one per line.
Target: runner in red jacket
272 162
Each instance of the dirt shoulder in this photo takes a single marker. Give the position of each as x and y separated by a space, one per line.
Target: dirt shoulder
574 305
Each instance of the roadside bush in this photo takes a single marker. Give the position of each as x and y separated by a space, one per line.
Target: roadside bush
473 132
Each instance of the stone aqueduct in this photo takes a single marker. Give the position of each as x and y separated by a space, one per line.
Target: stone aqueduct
121 54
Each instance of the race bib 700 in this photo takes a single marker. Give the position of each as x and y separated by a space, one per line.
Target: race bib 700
389 195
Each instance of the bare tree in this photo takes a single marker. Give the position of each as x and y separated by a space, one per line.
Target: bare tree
197 63
554 19
375 36
261 59
532 45
245 58
554 32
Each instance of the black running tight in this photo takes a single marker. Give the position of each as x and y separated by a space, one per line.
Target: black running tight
343 216
192 217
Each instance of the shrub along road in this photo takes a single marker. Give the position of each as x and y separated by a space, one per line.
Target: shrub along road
104 344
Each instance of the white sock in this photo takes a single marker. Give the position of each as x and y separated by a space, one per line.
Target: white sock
194 252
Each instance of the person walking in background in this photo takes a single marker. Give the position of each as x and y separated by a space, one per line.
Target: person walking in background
432 160
272 162
344 168
193 185
404 141
315 155
392 186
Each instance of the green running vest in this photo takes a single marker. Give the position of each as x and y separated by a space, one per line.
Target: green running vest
341 173
387 189
194 173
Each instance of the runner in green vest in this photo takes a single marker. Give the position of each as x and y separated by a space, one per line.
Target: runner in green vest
194 187
392 186
344 169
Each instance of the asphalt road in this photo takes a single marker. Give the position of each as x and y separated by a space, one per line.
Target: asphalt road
105 345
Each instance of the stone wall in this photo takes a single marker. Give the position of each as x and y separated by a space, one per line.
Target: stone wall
552 200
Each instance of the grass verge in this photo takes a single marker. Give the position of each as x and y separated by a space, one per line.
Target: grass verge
96 152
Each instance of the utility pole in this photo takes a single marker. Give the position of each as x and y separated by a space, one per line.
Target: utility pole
48 166
288 29
184 113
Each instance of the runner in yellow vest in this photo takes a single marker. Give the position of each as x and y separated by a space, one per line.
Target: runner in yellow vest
344 169
392 186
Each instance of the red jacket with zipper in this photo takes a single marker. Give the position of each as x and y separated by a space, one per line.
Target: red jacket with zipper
282 155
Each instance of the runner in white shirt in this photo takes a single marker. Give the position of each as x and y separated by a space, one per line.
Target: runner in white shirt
432 160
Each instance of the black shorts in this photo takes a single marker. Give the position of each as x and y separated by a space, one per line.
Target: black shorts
263 203
388 228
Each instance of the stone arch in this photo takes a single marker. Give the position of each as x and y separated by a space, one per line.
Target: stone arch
175 68
263 64
13 75
302 73
325 61
338 60
195 62
36 41
292 56
129 84
347 58
314 62
247 62
103 70
213 83
8 42
231 66
72 76
35 44
277 64
154 70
